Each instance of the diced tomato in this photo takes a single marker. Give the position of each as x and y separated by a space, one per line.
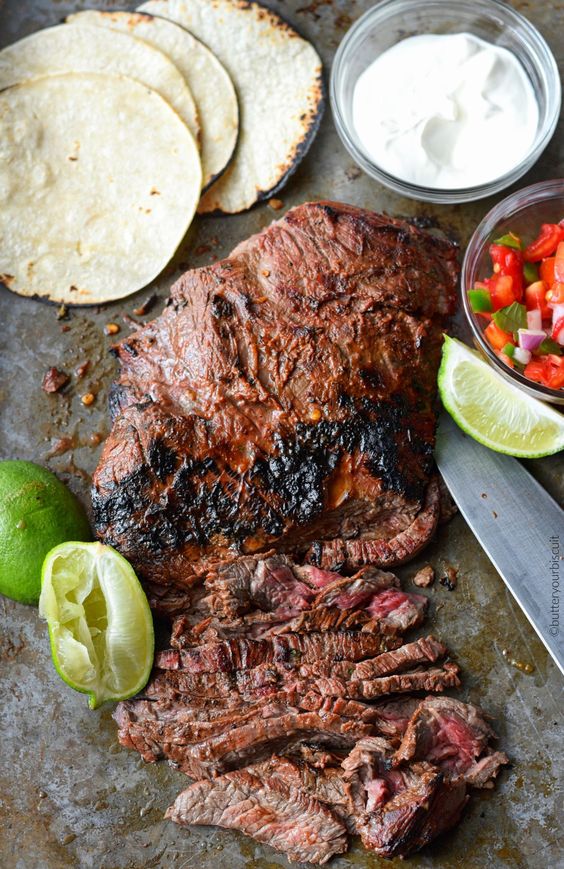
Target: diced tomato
501 291
497 337
548 370
546 270
545 244
557 328
559 263
505 358
535 297
485 314
555 295
509 262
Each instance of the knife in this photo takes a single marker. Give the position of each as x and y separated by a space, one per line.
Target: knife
518 524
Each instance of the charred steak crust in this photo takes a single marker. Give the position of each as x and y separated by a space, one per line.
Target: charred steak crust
284 397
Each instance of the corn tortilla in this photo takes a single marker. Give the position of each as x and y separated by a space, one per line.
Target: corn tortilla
91 207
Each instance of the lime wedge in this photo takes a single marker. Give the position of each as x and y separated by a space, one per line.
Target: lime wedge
493 411
100 624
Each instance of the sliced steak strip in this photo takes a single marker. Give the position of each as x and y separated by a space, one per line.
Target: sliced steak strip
345 678
267 583
260 625
267 680
260 738
192 722
243 654
396 811
422 651
267 808
339 553
389 612
453 735
278 586
414 816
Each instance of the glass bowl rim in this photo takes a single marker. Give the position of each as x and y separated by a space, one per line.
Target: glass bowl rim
441 195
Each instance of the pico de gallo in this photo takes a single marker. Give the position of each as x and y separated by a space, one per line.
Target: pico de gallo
522 304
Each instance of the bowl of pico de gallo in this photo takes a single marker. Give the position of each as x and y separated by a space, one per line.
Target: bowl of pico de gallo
513 288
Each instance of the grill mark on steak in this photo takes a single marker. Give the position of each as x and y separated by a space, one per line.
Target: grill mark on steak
266 808
215 450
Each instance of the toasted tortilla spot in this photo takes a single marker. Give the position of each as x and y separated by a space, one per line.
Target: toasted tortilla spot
89 232
209 82
278 78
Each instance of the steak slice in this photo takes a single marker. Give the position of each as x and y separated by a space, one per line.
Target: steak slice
370 546
259 625
264 681
397 811
284 399
241 745
344 678
453 735
260 597
243 654
250 583
267 808
389 612
275 583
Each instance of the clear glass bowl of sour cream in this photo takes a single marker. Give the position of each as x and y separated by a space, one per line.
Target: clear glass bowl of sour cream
445 100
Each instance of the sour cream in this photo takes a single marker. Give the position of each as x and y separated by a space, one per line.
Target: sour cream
447 112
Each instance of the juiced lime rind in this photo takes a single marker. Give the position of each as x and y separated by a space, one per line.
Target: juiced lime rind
100 623
37 512
493 411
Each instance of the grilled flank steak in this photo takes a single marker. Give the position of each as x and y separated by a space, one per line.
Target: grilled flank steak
284 399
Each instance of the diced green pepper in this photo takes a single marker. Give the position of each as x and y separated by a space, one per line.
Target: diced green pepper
480 300
509 240
530 273
509 350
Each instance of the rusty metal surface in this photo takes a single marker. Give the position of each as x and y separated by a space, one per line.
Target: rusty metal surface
69 795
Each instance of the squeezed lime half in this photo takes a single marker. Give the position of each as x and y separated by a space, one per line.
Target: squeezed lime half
100 624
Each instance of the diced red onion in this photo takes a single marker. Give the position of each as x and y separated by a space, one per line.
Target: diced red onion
530 339
522 356
534 319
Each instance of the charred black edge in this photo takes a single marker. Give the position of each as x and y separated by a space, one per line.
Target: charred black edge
301 151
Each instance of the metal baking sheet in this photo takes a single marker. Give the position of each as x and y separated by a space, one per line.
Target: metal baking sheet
69 795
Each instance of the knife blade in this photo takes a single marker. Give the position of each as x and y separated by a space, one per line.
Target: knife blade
518 524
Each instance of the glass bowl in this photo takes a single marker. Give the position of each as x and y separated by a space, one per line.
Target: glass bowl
392 20
522 213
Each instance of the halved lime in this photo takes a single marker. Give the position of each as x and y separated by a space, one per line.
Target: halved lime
36 513
492 410
100 624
